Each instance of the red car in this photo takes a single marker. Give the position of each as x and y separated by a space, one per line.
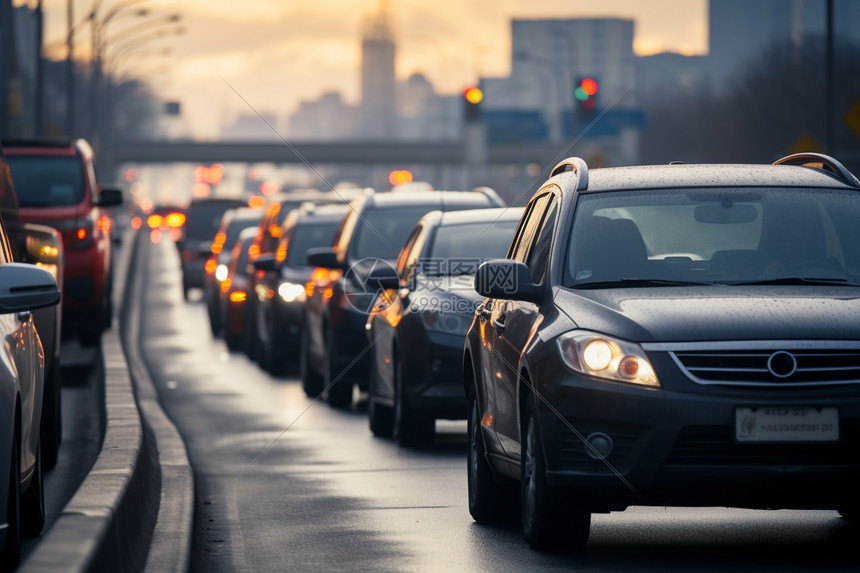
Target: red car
57 187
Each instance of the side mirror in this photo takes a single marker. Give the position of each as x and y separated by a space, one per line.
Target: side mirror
385 276
110 197
506 279
325 258
266 262
26 287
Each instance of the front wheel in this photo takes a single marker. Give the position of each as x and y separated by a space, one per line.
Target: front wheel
33 502
338 385
488 500
411 428
547 522
311 380
11 552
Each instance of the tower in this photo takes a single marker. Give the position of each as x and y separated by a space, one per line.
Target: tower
378 85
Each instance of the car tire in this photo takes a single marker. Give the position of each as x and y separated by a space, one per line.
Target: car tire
214 323
11 553
379 416
51 432
548 522
311 380
338 385
489 502
411 428
33 501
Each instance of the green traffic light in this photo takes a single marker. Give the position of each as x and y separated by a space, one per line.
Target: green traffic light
580 94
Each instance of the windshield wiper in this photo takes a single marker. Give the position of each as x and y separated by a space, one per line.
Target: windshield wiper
625 283
798 281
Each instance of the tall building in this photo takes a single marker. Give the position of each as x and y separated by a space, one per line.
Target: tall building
378 84
549 57
326 118
740 30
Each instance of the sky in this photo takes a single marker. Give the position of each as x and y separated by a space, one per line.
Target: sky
276 53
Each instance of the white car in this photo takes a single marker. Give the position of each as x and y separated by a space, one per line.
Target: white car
23 288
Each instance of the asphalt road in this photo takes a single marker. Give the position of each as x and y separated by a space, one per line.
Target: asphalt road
284 484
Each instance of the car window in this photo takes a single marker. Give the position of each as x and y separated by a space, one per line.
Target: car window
381 233
530 227
400 265
413 256
539 256
459 249
305 237
46 181
715 235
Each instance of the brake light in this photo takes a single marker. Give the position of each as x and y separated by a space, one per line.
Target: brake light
238 296
136 223
274 231
254 252
154 221
81 234
211 265
174 220
103 224
225 284
281 253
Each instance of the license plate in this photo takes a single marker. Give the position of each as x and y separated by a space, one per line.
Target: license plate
787 424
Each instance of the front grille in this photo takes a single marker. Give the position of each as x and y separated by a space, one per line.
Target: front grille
716 446
574 456
771 367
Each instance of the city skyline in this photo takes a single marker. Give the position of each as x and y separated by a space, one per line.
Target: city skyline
277 55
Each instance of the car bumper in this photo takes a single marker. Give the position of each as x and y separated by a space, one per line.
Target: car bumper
677 447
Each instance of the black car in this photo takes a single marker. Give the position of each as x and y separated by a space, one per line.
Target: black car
201 223
215 269
373 231
417 328
670 335
280 291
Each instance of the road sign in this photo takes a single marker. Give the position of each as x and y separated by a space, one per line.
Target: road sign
852 117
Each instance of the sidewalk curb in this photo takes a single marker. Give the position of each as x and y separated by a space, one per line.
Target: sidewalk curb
171 542
109 522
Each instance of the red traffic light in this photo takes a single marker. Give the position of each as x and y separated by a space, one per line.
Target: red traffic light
589 86
473 95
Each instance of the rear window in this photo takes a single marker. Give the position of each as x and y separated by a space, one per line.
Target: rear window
462 247
47 181
202 221
381 233
306 237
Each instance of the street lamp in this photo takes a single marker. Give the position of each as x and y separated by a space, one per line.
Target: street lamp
556 110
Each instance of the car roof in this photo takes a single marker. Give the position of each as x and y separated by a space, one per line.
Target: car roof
428 198
715 175
321 214
216 201
480 216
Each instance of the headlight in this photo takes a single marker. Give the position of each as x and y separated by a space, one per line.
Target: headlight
291 292
605 357
221 272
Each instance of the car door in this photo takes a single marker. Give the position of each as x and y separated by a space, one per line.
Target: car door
515 321
503 359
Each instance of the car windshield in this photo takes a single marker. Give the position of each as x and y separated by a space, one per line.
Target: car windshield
727 236
459 249
306 237
202 221
46 181
381 233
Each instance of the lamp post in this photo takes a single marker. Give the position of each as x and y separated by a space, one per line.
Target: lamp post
556 114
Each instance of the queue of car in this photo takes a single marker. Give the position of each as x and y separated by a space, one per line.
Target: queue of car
663 335
55 241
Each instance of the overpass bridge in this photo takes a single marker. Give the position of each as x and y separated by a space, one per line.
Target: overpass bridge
372 152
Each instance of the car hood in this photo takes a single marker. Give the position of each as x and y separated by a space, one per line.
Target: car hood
679 314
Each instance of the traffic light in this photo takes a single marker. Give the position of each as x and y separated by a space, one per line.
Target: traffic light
586 98
472 97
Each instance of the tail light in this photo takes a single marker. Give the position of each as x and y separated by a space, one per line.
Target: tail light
154 221
174 220
211 265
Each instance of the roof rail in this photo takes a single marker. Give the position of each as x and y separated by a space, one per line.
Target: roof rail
820 161
491 195
38 142
576 164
